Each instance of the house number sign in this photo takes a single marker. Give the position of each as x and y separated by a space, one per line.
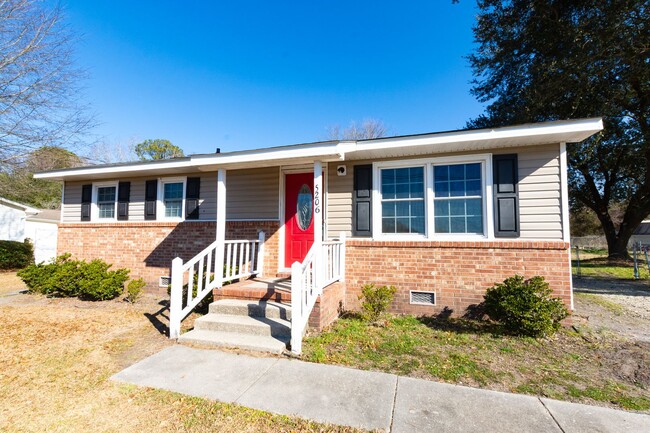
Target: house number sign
316 198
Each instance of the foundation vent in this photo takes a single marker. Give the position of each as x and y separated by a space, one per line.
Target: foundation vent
424 298
164 281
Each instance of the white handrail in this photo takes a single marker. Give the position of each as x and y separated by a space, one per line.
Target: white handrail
202 274
323 265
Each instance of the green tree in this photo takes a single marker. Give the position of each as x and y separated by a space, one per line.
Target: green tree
17 181
157 149
540 60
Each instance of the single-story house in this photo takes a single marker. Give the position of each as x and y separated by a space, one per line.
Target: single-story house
19 222
441 216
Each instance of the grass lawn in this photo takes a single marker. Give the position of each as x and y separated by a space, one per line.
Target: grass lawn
592 369
602 267
57 357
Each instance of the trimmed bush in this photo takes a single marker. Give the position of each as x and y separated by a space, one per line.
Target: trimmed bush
525 307
376 300
16 255
65 277
134 290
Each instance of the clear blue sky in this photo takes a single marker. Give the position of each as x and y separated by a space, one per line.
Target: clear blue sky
247 74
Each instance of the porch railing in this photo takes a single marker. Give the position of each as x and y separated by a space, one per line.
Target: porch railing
193 280
323 265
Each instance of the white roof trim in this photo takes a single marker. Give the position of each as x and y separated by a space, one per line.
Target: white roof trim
20 206
536 133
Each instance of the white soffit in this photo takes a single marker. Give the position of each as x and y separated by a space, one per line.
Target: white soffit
568 131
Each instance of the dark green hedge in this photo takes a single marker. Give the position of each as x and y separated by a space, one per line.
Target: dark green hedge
16 255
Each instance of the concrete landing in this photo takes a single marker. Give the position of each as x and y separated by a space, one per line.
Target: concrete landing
364 399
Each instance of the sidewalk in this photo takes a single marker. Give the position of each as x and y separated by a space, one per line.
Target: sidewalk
364 399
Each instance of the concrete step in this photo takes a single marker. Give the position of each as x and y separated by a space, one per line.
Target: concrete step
235 340
252 308
265 326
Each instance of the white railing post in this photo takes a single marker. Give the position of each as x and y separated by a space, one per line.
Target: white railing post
319 258
260 254
342 257
296 308
176 298
221 228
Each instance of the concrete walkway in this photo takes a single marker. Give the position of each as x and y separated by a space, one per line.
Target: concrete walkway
368 400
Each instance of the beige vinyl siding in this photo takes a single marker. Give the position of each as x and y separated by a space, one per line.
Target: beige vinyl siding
253 193
539 193
540 208
71 209
208 198
339 200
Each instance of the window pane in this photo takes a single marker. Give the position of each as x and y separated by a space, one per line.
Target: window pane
417 225
457 172
402 175
417 190
173 191
442 224
457 207
106 194
403 208
388 209
416 175
173 208
473 187
387 177
388 225
441 208
402 190
474 206
475 224
457 189
473 171
106 210
417 208
457 224
441 173
402 225
388 191
442 189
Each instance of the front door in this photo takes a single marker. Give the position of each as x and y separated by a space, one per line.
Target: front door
298 217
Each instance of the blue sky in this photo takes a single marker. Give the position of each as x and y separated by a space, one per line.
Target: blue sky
247 74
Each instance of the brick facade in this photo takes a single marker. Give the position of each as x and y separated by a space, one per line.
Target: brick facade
458 272
147 249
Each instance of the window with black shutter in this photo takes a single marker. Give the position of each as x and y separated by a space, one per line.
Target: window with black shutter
86 201
123 197
192 193
362 201
506 196
150 199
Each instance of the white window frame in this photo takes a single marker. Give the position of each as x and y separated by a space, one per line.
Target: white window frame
377 208
160 205
428 163
94 211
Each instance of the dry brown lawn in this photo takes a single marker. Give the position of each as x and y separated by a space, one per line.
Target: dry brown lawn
10 283
57 356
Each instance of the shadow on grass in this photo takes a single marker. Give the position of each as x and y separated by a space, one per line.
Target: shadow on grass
467 324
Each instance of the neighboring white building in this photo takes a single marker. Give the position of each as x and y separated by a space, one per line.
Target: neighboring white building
19 222
642 233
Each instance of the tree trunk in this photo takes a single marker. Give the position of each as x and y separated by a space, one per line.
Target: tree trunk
617 247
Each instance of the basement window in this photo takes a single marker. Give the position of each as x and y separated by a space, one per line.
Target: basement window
164 281
423 298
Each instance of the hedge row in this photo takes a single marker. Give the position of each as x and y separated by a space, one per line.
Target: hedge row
16 255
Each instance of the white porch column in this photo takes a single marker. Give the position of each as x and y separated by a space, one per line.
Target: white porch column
221 226
318 222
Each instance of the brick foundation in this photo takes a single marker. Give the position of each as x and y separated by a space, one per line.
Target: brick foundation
147 249
328 306
458 272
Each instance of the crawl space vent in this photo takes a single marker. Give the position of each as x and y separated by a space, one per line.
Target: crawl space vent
427 298
164 281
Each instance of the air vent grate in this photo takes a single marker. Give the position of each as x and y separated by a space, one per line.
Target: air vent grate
164 281
426 298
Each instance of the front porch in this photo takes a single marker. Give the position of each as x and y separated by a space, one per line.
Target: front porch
285 305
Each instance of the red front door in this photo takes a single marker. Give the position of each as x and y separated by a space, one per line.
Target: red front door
298 217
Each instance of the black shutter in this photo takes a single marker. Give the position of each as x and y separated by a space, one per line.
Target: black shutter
506 196
123 197
150 199
362 201
86 200
192 192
